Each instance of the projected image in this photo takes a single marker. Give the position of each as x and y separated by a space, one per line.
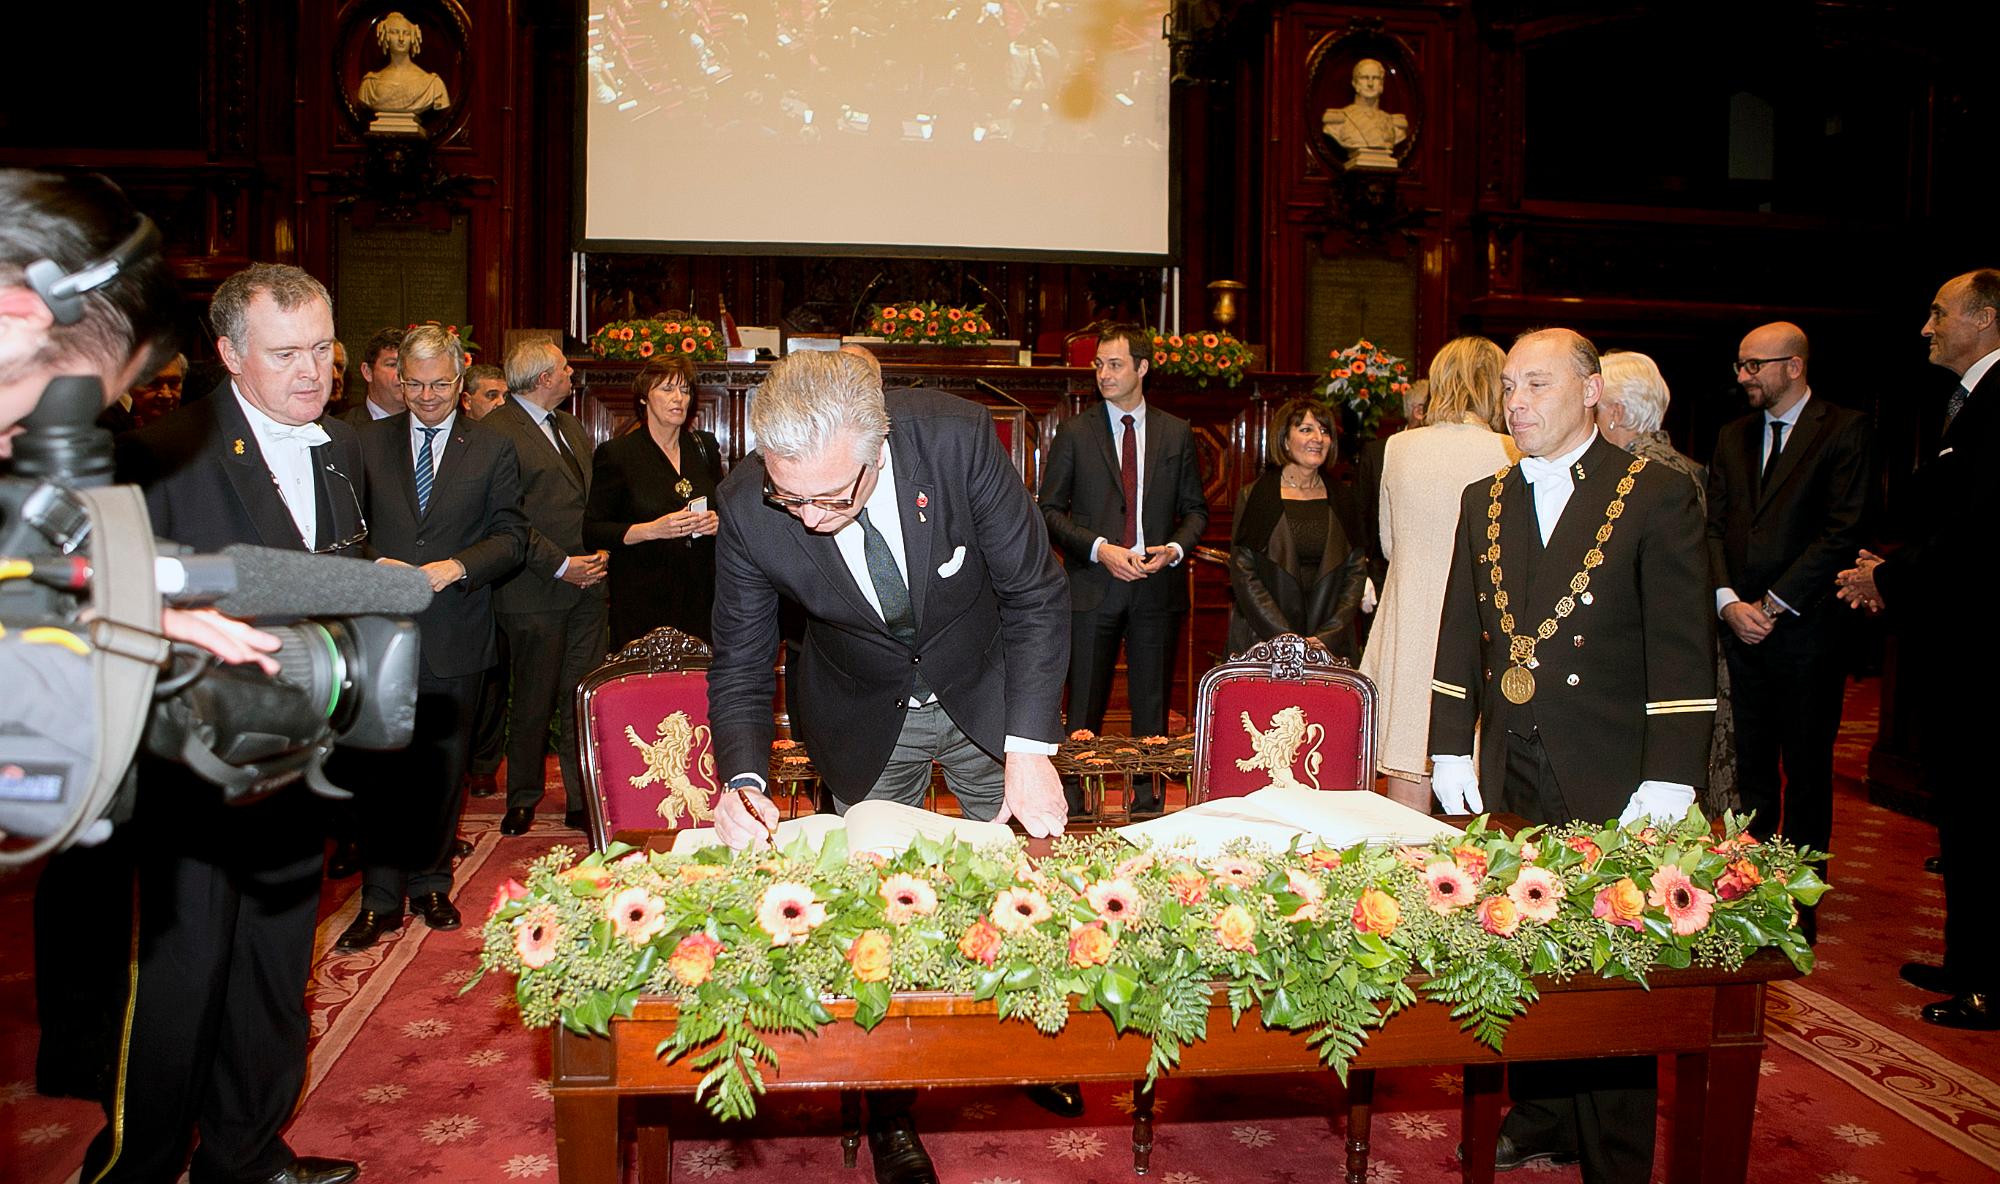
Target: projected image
900 88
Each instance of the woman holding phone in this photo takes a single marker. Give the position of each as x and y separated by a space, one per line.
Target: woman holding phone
649 508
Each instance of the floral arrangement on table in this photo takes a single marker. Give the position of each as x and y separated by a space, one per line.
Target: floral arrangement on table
926 322
1205 355
636 341
1319 941
462 334
1368 382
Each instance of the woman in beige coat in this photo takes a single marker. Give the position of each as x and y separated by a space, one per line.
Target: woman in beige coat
1423 473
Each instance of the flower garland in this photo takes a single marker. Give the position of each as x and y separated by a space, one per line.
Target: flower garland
636 341
1368 382
926 322
1319 941
1205 355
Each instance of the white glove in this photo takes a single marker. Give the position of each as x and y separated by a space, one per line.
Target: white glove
1662 803
1456 784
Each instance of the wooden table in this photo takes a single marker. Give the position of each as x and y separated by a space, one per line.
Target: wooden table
1711 1022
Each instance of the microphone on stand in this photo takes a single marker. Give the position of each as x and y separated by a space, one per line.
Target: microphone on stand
854 316
993 301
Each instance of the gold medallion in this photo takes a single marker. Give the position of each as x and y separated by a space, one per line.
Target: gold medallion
1517 684
684 487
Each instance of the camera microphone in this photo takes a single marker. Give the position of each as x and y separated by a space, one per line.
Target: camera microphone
257 582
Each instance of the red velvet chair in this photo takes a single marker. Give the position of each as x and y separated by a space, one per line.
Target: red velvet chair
642 726
1331 733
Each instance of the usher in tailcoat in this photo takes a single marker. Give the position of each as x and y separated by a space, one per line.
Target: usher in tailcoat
1625 689
991 607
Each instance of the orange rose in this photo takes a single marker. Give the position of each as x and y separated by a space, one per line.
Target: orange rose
1498 916
1377 912
1470 860
1175 356
981 942
1621 904
645 331
1321 859
1234 929
1189 887
1364 346
869 956
1090 945
1738 879
598 878
1590 851
673 327
689 873
693 960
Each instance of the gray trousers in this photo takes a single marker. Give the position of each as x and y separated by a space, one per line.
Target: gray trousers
976 777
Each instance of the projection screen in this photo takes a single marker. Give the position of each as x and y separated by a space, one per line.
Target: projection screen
972 128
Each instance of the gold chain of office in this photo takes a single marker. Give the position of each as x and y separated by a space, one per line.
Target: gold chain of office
1518 683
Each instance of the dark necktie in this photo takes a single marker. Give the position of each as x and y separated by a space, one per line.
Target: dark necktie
424 473
562 446
890 591
1777 446
1954 406
1128 482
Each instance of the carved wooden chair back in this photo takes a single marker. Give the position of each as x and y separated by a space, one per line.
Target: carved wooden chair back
643 737
1286 709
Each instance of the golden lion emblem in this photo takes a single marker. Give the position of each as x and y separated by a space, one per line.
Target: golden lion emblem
667 765
1276 748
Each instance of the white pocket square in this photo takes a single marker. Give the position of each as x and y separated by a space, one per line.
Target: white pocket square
949 567
1946 452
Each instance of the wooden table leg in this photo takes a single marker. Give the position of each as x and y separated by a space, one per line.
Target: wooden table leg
656 1144
1715 1093
850 1127
1360 1107
587 1139
1480 1122
1142 1127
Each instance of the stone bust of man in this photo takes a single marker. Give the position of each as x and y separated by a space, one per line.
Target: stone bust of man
1369 134
401 90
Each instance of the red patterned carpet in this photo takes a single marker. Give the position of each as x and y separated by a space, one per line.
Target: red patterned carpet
421 1083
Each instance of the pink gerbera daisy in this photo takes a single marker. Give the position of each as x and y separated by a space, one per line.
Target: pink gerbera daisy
1686 905
636 915
1300 884
1114 900
537 935
1017 910
1538 893
788 912
1449 887
1236 872
905 896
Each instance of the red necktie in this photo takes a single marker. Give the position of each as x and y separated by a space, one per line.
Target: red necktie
1128 481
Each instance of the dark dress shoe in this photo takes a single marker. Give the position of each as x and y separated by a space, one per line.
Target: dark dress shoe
577 820
367 929
899 1155
311 1169
1934 865
1926 977
1972 1010
517 820
460 848
482 785
1062 1099
436 909
345 862
1507 1157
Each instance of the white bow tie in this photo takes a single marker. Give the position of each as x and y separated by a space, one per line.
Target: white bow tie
1536 470
310 434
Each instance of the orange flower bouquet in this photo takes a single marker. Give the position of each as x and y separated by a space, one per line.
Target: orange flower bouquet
1210 353
670 333
1367 381
926 322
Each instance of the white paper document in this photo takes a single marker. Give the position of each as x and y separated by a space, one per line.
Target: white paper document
1274 816
886 828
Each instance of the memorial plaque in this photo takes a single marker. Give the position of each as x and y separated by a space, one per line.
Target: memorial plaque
1350 299
397 275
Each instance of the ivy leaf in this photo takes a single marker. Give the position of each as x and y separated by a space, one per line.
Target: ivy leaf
1805 886
871 1003
987 983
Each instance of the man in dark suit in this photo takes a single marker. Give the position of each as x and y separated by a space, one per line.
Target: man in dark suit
1607 716
228 894
1932 585
1123 499
380 374
443 495
485 387
553 611
1787 491
934 623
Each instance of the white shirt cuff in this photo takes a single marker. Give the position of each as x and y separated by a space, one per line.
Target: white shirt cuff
1093 548
562 567
1038 747
1724 597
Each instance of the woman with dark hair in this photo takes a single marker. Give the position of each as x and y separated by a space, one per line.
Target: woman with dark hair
649 508
1297 563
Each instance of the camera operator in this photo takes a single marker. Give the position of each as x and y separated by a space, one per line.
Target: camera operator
214 1041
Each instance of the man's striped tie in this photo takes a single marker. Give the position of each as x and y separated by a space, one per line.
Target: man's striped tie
424 468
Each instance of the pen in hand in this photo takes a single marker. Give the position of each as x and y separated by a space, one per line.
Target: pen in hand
743 799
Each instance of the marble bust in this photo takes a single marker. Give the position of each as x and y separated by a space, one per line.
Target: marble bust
1369 134
401 90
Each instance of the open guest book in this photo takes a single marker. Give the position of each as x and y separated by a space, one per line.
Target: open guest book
886 828
1274 816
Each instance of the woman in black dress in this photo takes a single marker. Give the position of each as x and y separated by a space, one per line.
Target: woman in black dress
1297 564
648 507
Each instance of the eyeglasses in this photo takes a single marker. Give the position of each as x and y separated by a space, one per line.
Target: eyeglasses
1750 366
443 386
787 502
361 532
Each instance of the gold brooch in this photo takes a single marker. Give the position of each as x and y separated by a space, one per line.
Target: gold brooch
238 446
